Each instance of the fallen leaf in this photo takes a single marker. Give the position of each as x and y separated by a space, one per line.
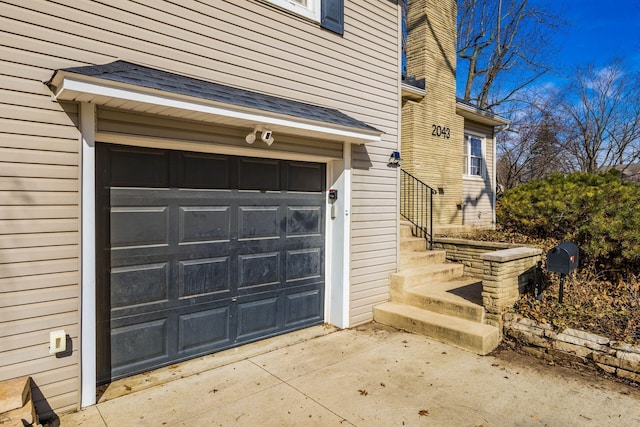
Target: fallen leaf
363 392
383 384
423 412
535 417
126 387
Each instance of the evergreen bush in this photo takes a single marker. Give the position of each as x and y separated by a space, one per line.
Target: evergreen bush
600 213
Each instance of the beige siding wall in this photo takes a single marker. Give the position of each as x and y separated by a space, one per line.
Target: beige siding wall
157 131
374 208
244 43
39 228
478 194
436 160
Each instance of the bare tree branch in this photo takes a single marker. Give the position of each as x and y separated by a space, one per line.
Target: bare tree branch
503 41
601 110
533 150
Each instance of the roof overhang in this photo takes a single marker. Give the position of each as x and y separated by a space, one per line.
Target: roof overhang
412 92
71 86
480 116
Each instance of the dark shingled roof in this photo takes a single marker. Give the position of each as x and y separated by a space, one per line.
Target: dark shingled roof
139 75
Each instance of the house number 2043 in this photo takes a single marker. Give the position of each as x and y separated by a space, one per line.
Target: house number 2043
440 131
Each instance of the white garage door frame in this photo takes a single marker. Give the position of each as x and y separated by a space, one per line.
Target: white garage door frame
337 242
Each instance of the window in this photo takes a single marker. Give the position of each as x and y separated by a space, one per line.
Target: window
473 156
329 13
308 8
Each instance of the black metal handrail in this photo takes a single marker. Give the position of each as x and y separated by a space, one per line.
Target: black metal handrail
416 205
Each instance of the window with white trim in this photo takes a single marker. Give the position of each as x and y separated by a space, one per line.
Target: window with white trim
307 8
474 156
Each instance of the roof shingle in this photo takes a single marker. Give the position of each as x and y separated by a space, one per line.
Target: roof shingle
139 75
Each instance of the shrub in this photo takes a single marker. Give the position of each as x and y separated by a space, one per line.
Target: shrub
600 213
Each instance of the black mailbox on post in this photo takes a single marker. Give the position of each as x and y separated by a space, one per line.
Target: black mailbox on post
563 258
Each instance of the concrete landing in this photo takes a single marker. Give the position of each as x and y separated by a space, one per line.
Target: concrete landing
458 297
431 272
372 376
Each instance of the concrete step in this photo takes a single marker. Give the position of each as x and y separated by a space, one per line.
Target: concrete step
405 223
14 393
458 297
455 230
413 244
410 259
427 274
406 230
16 405
476 337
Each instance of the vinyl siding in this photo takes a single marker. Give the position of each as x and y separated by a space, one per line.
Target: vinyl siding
189 46
39 232
242 43
477 194
164 132
478 203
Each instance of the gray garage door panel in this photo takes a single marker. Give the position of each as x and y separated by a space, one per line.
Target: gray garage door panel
303 305
203 253
204 329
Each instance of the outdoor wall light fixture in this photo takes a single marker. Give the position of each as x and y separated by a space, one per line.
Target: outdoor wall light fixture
394 159
251 136
266 136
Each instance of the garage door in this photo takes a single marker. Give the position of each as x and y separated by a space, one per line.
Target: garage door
199 252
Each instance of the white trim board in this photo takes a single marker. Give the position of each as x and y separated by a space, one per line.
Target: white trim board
73 88
88 373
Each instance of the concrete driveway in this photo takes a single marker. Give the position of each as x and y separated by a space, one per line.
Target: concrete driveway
367 376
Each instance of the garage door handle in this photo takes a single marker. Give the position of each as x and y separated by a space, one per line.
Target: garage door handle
234 299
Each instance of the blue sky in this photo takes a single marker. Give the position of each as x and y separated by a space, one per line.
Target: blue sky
596 32
592 32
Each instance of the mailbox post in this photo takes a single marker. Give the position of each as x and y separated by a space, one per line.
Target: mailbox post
563 259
